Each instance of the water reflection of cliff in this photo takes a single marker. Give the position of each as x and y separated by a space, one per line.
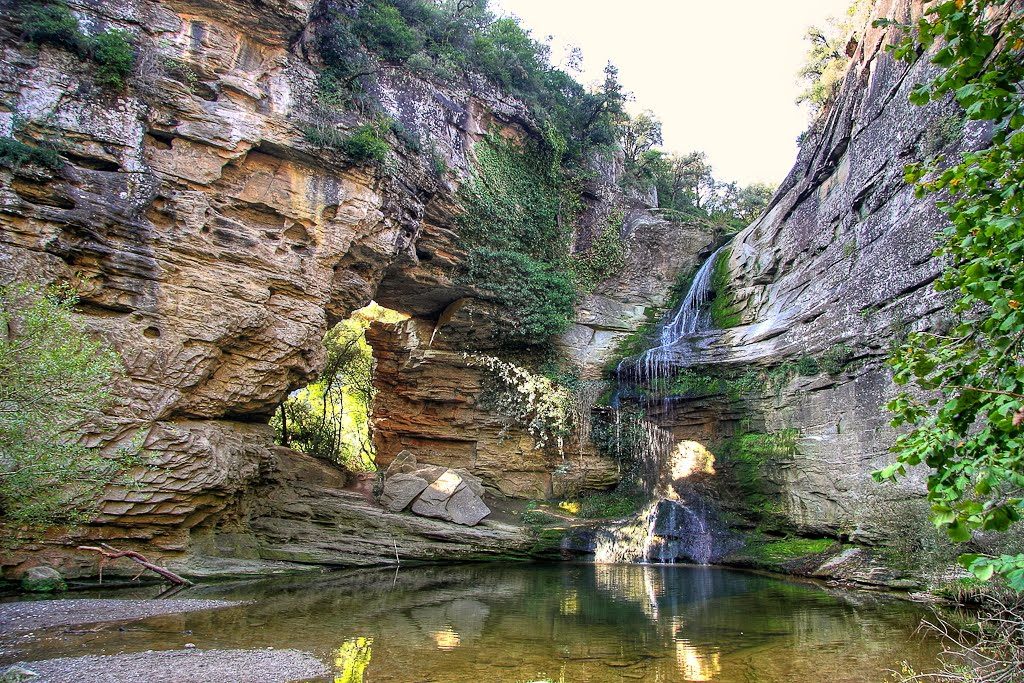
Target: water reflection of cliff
575 622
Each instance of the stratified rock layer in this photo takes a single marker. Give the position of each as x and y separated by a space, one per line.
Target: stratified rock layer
213 245
835 272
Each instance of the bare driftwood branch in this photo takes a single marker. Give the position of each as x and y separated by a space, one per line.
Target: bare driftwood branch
109 553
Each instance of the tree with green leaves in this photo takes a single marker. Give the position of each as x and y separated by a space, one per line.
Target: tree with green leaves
829 49
54 378
639 135
330 418
965 414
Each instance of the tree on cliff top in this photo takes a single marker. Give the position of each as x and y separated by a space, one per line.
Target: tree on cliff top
53 379
966 416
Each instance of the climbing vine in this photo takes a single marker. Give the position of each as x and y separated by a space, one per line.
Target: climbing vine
538 404
966 412
516 229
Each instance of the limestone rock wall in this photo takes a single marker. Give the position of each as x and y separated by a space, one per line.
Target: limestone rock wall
213 246
429 401
839 267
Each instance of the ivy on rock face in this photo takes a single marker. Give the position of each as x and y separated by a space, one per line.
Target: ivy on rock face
967 418
514 227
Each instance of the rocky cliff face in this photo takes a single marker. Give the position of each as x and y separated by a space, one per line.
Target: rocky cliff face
213 246
824 283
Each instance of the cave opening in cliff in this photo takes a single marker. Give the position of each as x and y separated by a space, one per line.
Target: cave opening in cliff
330 417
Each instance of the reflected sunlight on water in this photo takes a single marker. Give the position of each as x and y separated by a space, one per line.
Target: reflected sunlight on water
695 665
447 639
351 660
572 623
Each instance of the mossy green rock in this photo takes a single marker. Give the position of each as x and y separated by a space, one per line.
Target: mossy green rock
43 580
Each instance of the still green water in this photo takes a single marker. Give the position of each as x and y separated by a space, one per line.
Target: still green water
571 623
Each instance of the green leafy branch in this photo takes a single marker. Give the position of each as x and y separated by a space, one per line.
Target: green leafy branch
966 412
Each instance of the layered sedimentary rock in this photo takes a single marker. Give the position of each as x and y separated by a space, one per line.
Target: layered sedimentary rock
825 283
213 245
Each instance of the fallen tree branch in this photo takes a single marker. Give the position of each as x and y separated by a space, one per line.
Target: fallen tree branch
110 553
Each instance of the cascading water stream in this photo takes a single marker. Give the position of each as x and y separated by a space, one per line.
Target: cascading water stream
670 525
658 363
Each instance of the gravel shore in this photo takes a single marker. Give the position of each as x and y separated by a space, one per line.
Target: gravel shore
31 615
181 666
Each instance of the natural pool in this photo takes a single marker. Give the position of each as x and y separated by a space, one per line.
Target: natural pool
571 623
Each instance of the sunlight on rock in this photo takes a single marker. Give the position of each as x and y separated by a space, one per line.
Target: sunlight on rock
572 507
351 660
689 458
373 311
629 541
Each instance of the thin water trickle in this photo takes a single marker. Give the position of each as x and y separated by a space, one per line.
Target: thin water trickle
643 379
657 364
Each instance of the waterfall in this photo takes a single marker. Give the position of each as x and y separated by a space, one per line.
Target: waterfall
677 522
657 364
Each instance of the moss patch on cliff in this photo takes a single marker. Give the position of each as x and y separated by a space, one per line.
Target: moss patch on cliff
786 550
725 311
695 384
14 154
746 459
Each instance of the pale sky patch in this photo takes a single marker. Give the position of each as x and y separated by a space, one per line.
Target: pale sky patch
720 74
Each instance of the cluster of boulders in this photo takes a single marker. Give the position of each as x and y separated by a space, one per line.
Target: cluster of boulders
453 495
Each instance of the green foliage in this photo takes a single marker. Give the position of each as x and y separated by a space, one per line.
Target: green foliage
114 57
366 144
610 505
825 65
686 187
807 366
828 55
447 40
14 154
639 135
513 229
604 259
382 29
53 23
513 202
787 550
324 134
329 419
724 310
835 358
53 379
966 413
505 54
540 297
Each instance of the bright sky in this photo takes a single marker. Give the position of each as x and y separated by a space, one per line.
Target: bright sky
720 74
